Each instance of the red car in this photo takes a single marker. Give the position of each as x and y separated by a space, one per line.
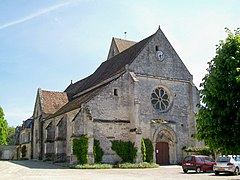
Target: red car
197 163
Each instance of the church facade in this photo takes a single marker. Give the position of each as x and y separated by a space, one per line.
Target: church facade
142 90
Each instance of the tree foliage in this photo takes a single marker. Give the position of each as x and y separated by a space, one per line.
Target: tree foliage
11 136
3 128
218 119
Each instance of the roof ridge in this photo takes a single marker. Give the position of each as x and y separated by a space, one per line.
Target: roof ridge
108 68
52 91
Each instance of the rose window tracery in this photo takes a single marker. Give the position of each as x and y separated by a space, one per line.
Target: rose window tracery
160 99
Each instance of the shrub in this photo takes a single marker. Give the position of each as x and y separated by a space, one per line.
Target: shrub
109 166
138 165
94 166
23 151
125 150
80 149
98 152
143 148
149 150
199 150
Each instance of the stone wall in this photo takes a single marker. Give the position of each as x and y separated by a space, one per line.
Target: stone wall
106 132
8 152
110 111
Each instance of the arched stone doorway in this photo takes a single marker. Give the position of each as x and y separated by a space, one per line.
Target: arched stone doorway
164 143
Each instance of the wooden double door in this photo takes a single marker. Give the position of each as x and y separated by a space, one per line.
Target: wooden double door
162 153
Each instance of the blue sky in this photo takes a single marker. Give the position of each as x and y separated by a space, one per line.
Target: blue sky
46 44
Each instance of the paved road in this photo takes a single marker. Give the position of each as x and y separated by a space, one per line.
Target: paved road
37 170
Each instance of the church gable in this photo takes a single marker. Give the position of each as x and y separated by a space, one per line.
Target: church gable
48 102
153 56
158 58
37 107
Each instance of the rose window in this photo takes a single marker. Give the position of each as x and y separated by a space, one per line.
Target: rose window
160 99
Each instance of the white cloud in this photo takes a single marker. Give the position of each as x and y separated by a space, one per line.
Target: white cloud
34 15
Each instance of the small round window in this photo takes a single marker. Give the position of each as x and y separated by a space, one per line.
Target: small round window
160 99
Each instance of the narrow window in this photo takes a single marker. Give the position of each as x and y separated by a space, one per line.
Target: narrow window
156 47
115 92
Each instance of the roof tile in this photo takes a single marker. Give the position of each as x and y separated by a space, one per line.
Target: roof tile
53 101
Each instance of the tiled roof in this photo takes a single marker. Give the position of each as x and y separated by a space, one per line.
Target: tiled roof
122 44
107 69
75 103
52 101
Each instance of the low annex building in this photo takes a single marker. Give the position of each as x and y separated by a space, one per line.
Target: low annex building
47 103
140 84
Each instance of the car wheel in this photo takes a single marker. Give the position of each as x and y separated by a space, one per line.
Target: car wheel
185 170
216 173
236 172
198 170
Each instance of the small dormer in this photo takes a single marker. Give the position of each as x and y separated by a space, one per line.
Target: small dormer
118 45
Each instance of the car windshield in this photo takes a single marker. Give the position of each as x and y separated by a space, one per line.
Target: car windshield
223 159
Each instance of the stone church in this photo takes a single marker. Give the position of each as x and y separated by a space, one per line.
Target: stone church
142 90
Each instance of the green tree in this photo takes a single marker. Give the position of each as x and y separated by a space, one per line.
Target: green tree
3 128
218 119
11 136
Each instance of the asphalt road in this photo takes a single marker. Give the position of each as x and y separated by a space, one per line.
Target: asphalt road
37 170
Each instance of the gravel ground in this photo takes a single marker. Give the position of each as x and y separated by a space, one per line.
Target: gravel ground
38 170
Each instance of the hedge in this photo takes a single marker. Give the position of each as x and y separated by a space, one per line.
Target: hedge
125 150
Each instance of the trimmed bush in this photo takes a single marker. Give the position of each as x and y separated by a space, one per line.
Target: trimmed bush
199 150
149 150
125 150
94 166
143 148
122 166
80 149
138 165
98 152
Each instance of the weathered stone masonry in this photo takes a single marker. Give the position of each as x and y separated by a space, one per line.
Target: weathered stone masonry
145 91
